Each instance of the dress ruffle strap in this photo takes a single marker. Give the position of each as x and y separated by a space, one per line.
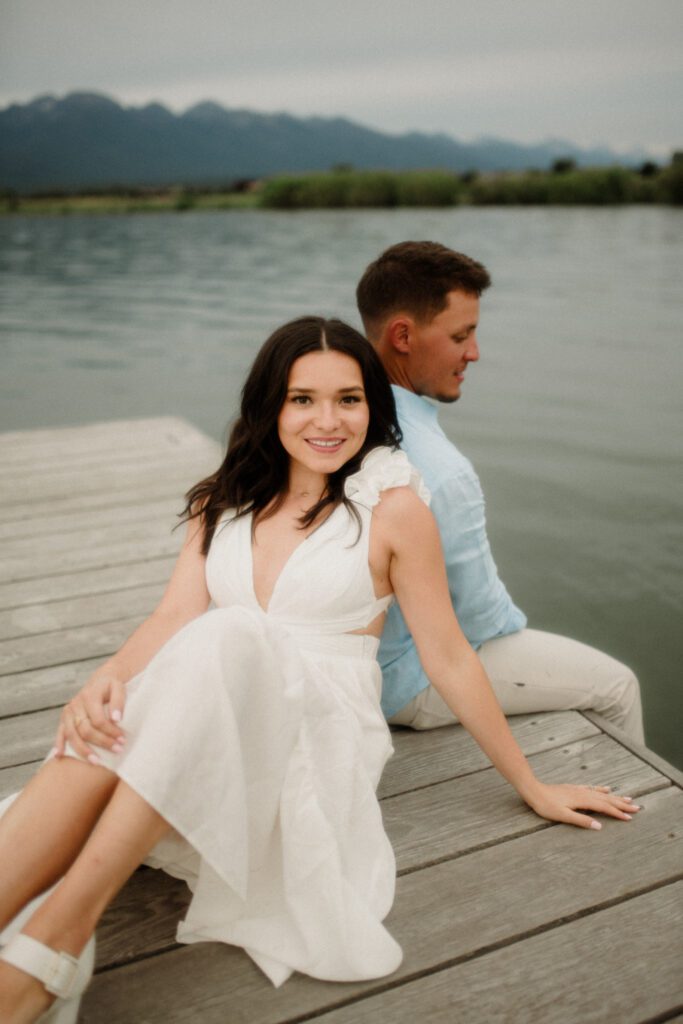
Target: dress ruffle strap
381 469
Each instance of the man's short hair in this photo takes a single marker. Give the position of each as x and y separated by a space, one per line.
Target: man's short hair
416 277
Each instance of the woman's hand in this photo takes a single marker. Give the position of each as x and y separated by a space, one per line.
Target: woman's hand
560 803
93 716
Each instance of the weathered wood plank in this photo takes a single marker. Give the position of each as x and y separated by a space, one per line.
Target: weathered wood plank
43 688
46 649
101 519
168 432
621 965
449 818
76 612
638 749
454 910
26 738
89 582
36 551
15 778
44 486
20 470
100 554
423 758
161 485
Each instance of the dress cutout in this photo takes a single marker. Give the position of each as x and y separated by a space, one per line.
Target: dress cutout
258 735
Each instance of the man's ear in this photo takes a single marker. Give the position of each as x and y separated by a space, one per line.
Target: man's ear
399 333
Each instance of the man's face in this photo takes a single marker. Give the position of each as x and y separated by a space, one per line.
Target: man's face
442 347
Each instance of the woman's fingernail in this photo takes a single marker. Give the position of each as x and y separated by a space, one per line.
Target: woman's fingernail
52 752
121 739
116 716
596 824
94 759
117 748
627 817
629 798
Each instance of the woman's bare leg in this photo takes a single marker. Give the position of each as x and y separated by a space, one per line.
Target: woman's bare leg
126 831
43 831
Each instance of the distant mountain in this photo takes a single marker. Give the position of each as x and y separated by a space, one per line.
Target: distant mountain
88 140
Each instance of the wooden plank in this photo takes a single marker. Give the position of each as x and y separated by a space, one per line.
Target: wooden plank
104 555
423 758
46 649
15 778
44 486
89 582
450 818
47 483
36 551
621 965
75 612
170 432
50 687
100 548
143 919
27 737
638 749
88 460
162 485
105 518
455 910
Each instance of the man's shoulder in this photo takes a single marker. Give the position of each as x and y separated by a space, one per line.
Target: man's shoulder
437 458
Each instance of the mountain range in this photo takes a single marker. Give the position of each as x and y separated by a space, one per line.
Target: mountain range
88 140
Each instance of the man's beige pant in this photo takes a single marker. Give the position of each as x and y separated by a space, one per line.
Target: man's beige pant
534 671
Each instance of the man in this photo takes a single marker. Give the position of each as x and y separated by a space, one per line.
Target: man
420 306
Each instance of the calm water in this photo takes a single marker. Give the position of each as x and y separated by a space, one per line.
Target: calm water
573 415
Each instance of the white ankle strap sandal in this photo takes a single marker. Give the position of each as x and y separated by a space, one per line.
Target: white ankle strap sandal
62 974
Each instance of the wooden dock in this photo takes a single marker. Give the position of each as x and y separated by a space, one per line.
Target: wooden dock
502 917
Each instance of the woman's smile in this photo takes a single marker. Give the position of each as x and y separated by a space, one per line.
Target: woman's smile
327 445
324 419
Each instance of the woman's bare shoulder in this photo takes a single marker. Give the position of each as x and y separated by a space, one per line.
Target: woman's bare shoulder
402 511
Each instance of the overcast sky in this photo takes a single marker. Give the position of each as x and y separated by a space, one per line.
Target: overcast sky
608 71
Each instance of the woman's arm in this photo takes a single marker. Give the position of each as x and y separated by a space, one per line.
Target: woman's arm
85 719
418 577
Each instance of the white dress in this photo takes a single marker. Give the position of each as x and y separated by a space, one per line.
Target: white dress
259 736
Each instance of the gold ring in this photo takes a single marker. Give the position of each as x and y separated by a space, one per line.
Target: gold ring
77 721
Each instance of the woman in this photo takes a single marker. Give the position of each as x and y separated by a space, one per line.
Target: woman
240 747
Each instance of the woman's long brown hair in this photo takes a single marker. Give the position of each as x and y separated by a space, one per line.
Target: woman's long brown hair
254 473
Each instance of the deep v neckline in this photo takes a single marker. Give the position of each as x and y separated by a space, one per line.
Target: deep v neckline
285 564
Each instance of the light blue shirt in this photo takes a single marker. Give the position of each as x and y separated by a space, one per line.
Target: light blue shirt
482 604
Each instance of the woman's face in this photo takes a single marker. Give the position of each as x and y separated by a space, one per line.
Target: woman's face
324 420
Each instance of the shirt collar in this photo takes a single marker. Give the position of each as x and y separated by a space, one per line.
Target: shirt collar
408 404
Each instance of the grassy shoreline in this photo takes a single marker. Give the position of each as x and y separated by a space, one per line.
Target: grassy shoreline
346 188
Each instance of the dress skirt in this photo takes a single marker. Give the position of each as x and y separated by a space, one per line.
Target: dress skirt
263 751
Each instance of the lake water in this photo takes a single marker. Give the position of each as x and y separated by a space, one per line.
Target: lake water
572 416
